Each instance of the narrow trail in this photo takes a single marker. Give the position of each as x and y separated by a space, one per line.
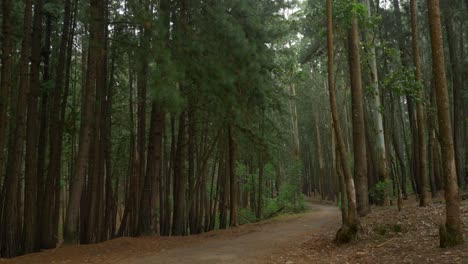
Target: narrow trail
252 247
252 243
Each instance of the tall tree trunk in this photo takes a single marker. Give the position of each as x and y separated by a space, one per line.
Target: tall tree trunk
452 232
423 199
450 8
352 220
261 167
321 160
178 218
58 107
153 172
359 140
30 198
96 156
191 165
142 83
110 196
233 178
10 227
43 127
405 61
377 117
71 229
6 58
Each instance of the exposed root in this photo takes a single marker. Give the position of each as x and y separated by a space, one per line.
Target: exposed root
347 234
449 237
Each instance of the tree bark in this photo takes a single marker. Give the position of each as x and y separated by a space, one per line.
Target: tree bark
359 140
233 178
452 232
352 220
6 58
31 180
457 81
376 104
71 229
153 172
422 143
178 218
9 242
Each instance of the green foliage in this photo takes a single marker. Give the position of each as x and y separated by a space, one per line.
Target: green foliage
246 216
270 207
345 10
290 198
377 192
403 82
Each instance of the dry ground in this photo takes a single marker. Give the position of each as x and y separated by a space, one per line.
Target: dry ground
410 236
252 243
389 236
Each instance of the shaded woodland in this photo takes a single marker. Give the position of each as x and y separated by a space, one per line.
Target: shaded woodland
178 117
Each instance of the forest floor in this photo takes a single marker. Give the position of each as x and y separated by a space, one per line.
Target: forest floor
389 237
250 243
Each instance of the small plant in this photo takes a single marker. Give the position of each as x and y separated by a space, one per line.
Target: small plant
377 193
387 229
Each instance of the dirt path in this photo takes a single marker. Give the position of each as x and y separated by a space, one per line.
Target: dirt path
246 248
253 243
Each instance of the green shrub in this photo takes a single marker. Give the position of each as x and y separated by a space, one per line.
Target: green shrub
291 199
246 216
377 192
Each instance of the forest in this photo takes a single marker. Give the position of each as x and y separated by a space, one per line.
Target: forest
171 118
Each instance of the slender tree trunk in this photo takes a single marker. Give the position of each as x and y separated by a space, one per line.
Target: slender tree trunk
71 229
457 80
30 212
322 169
359 140
233 178
413 154
110 195
424 199
96 158
178 218
376 104
5 83
261 167
191 165
9 237
452 232
153 173
352 221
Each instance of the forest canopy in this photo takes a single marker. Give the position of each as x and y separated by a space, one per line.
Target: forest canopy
178 117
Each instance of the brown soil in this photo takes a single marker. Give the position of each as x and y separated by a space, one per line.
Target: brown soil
410 236
251 243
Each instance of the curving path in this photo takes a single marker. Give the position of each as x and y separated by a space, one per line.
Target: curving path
252 247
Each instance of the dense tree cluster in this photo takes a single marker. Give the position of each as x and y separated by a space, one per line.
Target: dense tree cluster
177 117
124 118
396 108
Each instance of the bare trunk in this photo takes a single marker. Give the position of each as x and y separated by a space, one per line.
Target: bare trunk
10 227
178 218
452 232
457 82
5 83
31 180
71 229
424 199
352 221
378 129
359 140
233 178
